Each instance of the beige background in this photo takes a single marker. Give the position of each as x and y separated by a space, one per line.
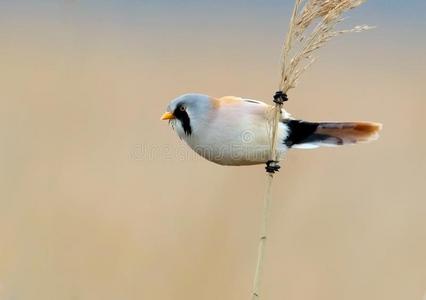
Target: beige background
101 200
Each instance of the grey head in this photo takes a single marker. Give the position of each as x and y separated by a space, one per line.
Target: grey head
187 112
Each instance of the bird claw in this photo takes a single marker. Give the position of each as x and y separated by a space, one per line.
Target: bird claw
272 166
280 97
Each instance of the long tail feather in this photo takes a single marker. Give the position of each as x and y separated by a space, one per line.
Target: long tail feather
311 135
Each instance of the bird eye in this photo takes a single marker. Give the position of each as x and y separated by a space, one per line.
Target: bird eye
182 108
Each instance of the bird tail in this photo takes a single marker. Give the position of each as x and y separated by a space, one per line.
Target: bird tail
311 135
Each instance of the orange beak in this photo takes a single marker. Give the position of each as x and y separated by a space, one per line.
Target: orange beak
167 116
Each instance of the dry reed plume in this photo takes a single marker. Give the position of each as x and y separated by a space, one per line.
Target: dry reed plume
312 24
302 41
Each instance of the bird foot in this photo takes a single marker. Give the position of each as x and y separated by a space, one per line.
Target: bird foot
280 97
272 166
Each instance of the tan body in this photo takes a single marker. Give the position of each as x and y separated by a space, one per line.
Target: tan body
236 131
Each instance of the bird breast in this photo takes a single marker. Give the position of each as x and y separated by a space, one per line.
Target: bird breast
235 135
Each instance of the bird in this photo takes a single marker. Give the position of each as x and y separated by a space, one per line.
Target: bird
235 131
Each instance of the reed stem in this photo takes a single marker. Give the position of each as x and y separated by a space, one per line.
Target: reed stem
262 239
299 45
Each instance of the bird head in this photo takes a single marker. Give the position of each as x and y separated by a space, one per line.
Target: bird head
187 112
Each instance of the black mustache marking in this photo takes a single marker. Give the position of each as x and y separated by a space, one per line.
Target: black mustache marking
183 117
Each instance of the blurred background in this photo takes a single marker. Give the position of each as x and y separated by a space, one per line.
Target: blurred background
99 199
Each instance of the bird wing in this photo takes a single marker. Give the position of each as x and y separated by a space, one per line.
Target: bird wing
249 105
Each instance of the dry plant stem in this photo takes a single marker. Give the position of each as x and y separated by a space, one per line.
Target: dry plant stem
299 45
276 119
266 206
262 239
